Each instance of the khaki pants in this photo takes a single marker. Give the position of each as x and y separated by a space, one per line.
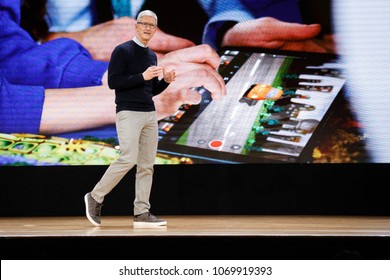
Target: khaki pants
138 140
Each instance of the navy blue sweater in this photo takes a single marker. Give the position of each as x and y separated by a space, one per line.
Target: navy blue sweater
128 62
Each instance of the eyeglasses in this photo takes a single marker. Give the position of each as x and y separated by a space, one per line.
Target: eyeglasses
145 25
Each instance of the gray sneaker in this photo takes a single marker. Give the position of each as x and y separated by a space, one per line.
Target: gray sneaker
148 220
92 209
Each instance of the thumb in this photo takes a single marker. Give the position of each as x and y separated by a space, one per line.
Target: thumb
296 31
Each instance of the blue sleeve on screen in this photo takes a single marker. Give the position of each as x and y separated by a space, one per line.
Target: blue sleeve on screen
68 16
20 107
60 63
284 10
220 11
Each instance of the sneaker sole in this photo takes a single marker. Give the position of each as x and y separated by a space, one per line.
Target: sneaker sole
87 212
149 225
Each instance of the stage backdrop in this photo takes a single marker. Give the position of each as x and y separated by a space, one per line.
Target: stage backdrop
286 102
304 125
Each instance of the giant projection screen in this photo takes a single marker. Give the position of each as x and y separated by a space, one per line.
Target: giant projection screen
283 104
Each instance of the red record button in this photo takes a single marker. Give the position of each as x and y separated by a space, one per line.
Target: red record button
215 144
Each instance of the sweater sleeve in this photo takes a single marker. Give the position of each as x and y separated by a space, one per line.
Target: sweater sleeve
159 86
20 107
61 63
219 12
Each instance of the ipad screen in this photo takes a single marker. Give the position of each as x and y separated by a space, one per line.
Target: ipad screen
275 103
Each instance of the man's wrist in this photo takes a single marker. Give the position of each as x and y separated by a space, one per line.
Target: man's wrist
222 31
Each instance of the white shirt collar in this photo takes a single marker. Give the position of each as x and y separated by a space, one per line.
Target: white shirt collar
138 42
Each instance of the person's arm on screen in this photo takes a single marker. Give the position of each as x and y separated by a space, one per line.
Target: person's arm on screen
101 39
261 23
32 109
274 34
62 110
75 109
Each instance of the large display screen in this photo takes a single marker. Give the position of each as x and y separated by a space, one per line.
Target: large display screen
275 104
285 103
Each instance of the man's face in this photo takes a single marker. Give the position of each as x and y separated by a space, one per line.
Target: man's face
146 27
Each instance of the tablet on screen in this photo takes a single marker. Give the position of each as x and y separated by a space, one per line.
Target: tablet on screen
276 104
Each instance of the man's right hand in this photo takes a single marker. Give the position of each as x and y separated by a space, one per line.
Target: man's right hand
151 72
